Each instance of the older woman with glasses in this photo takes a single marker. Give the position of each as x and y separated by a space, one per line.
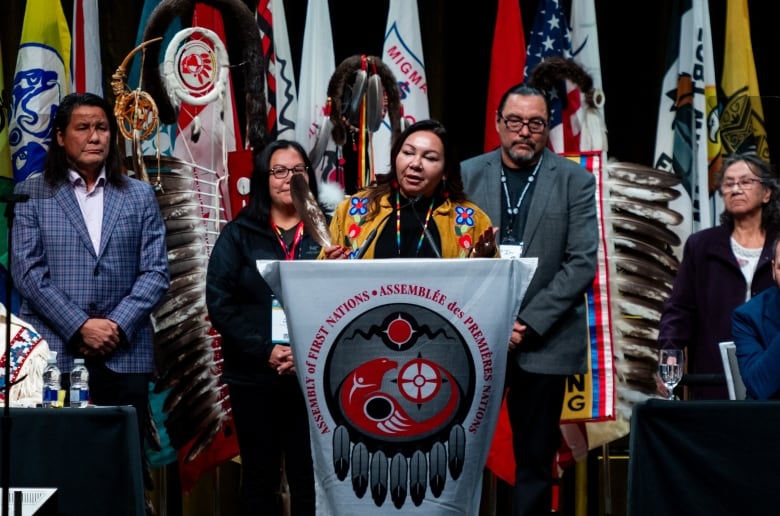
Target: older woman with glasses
721 268
268 407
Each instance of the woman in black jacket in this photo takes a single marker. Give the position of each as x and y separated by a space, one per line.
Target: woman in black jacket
269 410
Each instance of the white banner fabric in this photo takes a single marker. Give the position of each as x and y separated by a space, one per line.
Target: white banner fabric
402 365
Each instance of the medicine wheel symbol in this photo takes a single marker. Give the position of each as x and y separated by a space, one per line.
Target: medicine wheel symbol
419 380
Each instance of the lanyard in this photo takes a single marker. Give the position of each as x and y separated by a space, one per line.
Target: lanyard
398 222
513 211
289 253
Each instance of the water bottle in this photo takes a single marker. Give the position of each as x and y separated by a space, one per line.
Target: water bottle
79 384
51 382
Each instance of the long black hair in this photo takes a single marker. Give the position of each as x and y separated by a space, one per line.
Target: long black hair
451 187
259 205
56 169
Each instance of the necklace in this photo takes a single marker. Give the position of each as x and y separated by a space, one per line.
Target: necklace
289 252
512 211
398 223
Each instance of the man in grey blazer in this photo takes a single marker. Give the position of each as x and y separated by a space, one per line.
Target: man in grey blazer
546 206
89 256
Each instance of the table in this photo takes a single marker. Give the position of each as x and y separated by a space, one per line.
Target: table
704 457
90 455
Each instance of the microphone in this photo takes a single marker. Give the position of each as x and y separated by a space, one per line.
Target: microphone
14 197
372 235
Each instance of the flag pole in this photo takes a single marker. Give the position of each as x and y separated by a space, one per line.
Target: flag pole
9 200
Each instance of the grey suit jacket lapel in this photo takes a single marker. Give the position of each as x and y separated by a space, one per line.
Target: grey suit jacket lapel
112 202
492 188
546 184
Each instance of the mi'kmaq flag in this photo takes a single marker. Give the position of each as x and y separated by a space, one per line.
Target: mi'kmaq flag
40 81
402 368
687 139
402 53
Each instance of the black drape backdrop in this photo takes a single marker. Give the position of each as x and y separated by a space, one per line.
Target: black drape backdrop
456 43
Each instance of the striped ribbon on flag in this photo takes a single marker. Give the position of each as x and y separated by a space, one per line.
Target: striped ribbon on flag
41 79
507 62
87 72
281 95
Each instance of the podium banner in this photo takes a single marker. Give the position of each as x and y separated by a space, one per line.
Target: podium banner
402 365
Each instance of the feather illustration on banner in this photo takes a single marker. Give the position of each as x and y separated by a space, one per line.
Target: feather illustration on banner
318 63
281 93
402 53
86 70
687 139
742 119
40 81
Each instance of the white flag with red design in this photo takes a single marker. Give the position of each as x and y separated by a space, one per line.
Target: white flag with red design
281 94
87 73
403 55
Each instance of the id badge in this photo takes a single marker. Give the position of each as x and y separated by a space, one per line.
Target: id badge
279 333
511 250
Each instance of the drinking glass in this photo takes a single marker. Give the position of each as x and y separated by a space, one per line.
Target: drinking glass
670 368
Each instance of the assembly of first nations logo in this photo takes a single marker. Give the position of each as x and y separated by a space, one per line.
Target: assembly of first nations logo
398 383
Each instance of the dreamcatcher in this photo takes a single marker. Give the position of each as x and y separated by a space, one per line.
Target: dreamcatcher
136 112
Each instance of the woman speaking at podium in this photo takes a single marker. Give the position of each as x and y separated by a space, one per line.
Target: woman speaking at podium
418 210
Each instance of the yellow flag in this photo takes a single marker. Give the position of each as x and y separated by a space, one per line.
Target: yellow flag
41 79
742 120
5 151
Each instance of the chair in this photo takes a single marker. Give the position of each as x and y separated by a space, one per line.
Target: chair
728 354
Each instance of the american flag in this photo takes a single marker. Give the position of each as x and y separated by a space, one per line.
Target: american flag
550 37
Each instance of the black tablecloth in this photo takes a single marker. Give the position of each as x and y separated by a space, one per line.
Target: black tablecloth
704 458
91 455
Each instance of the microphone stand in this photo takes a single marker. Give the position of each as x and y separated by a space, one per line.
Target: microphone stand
10 200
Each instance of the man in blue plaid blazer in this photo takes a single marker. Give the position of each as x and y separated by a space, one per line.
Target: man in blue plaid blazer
89 256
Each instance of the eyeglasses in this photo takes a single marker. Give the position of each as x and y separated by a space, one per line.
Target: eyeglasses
535 125
745 184
281 172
